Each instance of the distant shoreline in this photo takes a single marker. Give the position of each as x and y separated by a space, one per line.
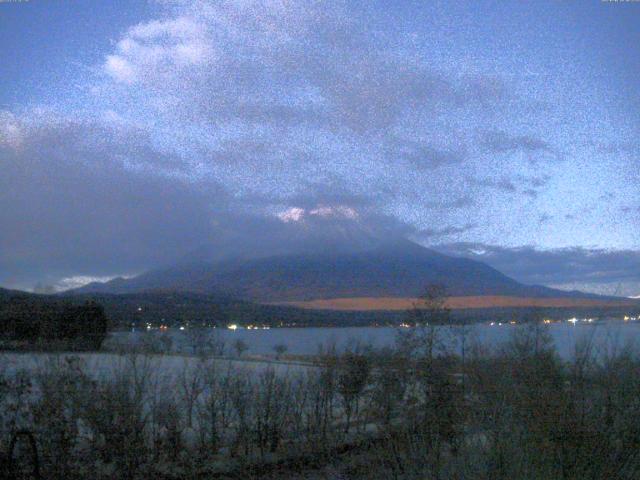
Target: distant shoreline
492 301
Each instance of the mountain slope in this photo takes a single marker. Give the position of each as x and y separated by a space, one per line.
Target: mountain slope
398 269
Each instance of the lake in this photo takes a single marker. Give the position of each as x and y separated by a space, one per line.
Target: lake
607 336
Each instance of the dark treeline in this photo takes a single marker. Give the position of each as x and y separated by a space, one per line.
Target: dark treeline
183 308
30 321
180 308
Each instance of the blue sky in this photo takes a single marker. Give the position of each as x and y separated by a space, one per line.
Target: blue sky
134 132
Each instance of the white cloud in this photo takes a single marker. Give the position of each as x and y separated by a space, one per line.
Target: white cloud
157 51
178 28
120 69
297 214
293 214
11 130
78 281
335 211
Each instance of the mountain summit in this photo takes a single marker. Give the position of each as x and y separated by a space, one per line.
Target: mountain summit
398 268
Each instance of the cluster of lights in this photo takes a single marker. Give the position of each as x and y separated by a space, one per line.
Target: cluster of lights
234 326
149 326
546 321
574 320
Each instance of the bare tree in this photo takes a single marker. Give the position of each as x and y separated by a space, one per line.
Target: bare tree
353 375
191 386
390 380
424 339
215 409
216 343
240 347
272 403
241 396
280 350
196 340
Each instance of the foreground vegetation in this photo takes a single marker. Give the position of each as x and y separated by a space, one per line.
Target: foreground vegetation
414 411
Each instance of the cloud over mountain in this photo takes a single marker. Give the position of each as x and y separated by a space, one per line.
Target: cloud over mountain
215 123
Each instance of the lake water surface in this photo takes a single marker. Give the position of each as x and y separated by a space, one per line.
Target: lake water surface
606 336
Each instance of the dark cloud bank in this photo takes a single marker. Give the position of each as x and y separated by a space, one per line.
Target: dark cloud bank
608 271
64 217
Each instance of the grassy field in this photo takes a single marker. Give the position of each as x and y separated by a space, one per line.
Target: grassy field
395 303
